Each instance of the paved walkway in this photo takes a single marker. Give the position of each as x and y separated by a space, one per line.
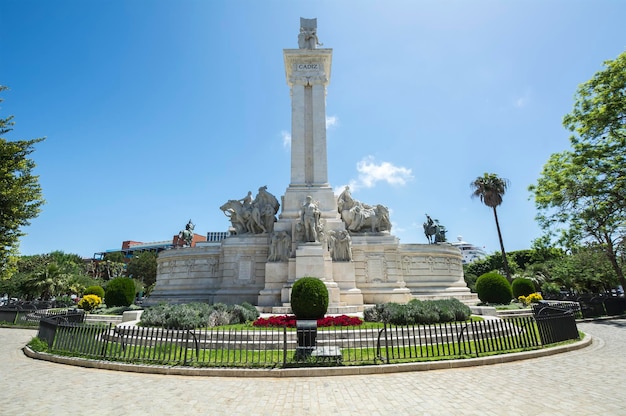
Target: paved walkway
583 382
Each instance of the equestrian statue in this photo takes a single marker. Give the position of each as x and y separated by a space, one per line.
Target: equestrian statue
434 232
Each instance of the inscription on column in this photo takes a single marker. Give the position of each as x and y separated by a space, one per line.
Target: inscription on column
307 67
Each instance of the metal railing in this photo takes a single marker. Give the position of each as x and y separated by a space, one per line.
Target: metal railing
555 323
276 347
16 314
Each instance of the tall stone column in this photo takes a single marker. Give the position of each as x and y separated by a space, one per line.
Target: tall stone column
308 75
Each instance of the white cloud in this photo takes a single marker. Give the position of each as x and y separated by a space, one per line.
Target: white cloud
331 121
371 172
286 138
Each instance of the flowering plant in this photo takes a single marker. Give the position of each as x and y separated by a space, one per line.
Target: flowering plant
289 321
89 302
532 298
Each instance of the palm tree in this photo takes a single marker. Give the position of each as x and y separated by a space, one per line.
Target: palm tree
490 188
48 281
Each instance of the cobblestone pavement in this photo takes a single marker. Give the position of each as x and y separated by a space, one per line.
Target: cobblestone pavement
582 382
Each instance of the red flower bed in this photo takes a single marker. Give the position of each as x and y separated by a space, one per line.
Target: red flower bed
290 321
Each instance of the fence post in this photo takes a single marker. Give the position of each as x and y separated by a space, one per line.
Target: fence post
106 341
284 346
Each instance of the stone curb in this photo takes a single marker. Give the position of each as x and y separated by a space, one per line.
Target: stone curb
309 371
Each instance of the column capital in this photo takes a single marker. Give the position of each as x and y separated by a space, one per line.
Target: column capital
304 79
307 66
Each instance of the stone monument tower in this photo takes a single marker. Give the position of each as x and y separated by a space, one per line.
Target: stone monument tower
308 74
308 71
342 241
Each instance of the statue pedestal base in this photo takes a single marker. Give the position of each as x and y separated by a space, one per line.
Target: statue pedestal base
312 260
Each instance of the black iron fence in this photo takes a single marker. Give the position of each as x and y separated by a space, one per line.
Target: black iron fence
278 347
555 322
29 315
592 305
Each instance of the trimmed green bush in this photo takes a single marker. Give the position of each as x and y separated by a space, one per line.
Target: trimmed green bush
309 298
522 286
243 313
120 292
374 314
492 287
461 311
197 315
94 290
418 312
397 314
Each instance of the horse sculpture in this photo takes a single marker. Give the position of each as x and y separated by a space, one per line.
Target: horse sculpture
434 232
243 219
252 217
186 235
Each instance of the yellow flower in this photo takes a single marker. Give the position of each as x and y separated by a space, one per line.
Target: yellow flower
89 302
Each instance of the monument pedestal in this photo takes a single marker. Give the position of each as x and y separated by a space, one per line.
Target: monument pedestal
343 275
314 261
276 274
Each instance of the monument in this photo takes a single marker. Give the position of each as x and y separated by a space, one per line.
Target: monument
342 241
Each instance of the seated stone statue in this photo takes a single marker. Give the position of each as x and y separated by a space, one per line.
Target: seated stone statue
361 217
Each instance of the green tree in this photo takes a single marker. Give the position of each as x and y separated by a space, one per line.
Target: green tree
581 193
49 281
49 275
115 257
143 267
490 188
20 192
586 270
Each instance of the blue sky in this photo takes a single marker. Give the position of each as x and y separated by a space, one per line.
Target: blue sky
157 112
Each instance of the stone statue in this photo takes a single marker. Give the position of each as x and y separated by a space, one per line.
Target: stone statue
345 199
246 201
340 245
249 216
434 232
186 235
280 247
268 207
307 38
310 219
440 237
361 217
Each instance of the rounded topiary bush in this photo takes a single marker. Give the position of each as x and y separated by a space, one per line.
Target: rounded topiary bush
309 298
120 292
522 287
492 287
94 290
